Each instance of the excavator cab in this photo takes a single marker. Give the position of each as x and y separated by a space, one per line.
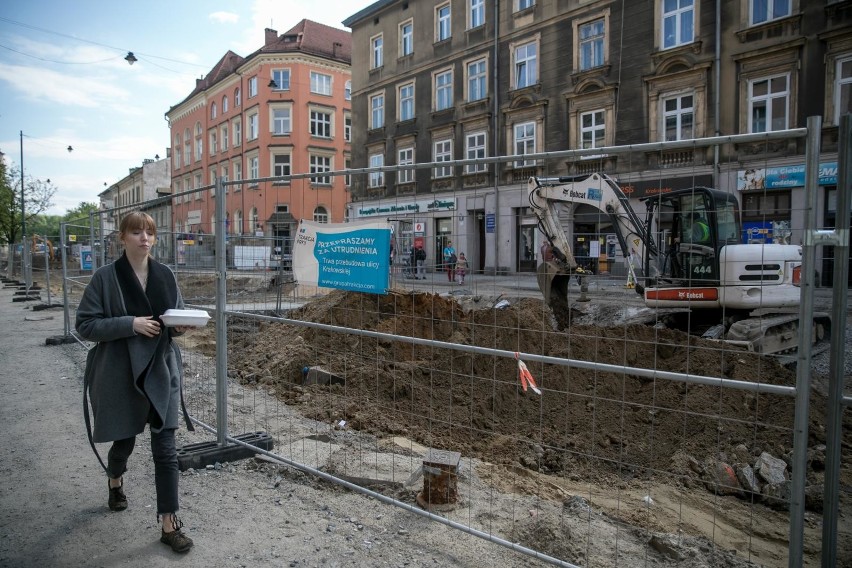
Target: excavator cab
703 220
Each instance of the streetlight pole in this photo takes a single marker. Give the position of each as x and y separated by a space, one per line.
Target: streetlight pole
25 250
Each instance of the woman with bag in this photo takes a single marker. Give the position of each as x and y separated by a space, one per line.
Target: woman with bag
134 373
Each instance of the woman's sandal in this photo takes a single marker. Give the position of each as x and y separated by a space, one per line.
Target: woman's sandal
117 498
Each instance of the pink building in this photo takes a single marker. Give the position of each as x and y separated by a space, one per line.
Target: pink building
284 109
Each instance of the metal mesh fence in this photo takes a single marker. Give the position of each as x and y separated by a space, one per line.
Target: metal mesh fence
627 443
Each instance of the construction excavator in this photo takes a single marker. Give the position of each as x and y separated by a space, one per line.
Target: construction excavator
687 260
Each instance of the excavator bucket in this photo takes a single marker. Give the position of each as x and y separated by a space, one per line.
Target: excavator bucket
553 283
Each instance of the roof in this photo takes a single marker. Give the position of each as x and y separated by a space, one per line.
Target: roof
368 11
305 37
314 38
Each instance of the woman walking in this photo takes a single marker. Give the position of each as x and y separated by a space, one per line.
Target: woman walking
134 373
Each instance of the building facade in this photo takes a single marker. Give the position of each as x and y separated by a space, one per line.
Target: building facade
283 110
451 80
141 189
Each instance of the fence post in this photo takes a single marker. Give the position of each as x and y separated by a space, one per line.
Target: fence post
803 354
92 240
47 253
833 424
221 318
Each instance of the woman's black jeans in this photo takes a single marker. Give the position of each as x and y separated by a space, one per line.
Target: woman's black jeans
165 466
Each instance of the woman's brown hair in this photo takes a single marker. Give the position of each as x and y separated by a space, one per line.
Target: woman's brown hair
137 220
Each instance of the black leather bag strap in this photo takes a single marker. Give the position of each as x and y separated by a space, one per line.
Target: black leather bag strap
89 422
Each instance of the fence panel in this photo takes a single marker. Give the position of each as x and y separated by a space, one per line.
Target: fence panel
636 444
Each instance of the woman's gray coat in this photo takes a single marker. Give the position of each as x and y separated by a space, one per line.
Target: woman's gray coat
120 359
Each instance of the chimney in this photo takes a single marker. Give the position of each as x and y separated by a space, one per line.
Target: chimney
271 36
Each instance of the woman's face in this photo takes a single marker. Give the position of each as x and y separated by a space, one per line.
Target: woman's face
138 241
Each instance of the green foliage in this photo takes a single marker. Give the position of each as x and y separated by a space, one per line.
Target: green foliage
39 197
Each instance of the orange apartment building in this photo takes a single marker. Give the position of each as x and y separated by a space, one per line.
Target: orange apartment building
284 109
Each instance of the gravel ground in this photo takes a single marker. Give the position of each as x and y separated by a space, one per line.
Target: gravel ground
54 494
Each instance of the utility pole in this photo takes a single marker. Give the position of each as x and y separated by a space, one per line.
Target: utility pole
25 250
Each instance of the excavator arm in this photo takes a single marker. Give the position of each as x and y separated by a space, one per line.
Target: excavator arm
598 191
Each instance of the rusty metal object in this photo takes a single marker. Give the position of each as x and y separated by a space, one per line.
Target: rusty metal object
440 480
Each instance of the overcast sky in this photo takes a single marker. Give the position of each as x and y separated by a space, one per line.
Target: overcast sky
64 81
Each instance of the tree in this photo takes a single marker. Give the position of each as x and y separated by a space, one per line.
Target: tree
80 217
38 197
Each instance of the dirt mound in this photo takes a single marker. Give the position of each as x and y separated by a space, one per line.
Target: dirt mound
587 422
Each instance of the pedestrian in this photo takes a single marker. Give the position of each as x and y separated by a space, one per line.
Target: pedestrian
420 257
450 261
461 267
134 373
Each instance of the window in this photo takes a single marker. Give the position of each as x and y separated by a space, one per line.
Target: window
224 174
761 11
254 167
252 87
224 104
199 148
406 38
347 91
320 215
377 179
768 102
592 129
678 22
238 171
213 146
377 111
282 79
280 165
347 179
477 80
237 131
318 165
475 150
237 224
224 136
252 126
678 117
237 98
347 127
405 156
406 102
320 124
177 161
187 147
443 153
442 23
376 60
320 83
281 120
477 13
525 65
254 222
592 44
524 4
213 110
524 142
443 90
843 89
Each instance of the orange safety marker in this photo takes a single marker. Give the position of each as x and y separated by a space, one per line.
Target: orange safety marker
525 376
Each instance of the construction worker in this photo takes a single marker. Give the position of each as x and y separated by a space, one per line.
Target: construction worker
696 230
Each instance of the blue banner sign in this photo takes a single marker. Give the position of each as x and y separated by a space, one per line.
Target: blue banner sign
345 256
785 176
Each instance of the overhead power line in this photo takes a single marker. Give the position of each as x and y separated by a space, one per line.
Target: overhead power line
84 40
